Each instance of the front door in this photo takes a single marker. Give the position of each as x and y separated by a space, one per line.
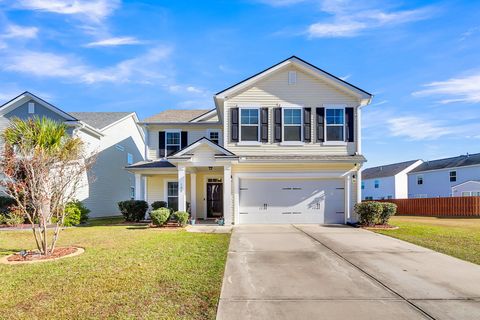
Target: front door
214 200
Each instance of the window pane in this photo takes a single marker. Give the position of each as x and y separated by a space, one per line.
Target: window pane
172 189
335 133
249 133
249 116
172 149
293 133
173 137
335 116
292 116
173 203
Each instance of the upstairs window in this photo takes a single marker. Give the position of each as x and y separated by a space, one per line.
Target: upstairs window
419 180
453 176
292 124
376 184
363 185
335 124
214 136
129 158
249 124
172 142
31 108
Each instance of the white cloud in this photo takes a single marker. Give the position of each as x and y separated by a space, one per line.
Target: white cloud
415 128
115 41
350 19
346 77
16 31
142 69
176 88
461 89
95 10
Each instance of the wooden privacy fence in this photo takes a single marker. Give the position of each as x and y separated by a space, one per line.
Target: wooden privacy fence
438 207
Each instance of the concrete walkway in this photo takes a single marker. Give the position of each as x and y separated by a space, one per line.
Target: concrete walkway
338 272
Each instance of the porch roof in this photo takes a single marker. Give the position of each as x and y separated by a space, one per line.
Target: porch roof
151 164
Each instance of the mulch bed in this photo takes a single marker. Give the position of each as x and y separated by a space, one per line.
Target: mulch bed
35 256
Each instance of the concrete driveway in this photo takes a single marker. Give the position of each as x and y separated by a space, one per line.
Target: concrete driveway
338 272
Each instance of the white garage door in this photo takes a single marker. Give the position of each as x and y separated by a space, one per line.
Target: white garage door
292 201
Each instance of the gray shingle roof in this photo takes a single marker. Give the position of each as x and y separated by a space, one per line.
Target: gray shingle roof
388 170
151 164
454 162
99 120
175 116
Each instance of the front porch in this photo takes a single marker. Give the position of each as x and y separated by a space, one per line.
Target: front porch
204 191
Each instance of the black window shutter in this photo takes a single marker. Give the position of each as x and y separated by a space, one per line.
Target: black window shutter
264 125
161 144
307 124
278 124
349 120
320 124
184 139
234 124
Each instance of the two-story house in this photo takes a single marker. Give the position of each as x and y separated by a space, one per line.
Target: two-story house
388 181
455 176
283 146
114 138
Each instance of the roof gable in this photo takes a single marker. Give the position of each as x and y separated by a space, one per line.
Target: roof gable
363 95
25 97
202 142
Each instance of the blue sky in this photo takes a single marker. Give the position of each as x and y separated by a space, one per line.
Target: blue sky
419 58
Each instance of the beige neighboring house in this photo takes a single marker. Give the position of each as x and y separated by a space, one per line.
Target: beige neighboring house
113 137
283 146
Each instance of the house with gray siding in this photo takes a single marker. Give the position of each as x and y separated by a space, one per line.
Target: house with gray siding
115 138
456 176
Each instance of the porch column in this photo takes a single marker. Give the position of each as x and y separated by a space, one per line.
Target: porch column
193 195
348 188
138 187
227 194
182 199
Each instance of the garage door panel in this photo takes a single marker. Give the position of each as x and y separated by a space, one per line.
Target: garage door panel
291 201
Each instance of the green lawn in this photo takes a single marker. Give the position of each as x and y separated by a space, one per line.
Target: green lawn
457 237
126 272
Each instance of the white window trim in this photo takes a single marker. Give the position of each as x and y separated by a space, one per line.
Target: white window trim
165 190
450 176
292 143
335 143
180 139
248 143
209 131
132 188
420 176
31 107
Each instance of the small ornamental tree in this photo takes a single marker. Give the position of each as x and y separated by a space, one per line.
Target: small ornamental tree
43 167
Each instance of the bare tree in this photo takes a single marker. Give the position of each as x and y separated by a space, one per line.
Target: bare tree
43 167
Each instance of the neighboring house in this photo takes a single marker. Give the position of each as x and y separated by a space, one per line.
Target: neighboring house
388 181
445 177
114 138
283 146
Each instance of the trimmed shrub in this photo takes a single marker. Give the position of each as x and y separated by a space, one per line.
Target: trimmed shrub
75 213
389 209
159 204
369 212
160 216
133 210
181 217
13 218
